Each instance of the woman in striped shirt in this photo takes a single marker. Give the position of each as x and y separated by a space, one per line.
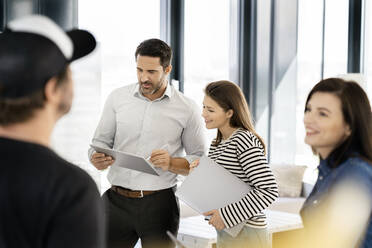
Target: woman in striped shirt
241 151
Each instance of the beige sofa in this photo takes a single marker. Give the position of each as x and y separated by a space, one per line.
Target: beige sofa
292 190
292 204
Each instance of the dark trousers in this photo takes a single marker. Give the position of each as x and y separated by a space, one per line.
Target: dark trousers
147 218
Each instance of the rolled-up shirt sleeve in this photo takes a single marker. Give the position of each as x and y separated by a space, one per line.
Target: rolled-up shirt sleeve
193 136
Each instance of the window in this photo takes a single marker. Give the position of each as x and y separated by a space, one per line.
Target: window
206 47
368 49
309 72
284 64
310 40
336 37
263 78
119 26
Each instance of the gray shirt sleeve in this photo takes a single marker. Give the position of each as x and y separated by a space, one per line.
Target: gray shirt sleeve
193 136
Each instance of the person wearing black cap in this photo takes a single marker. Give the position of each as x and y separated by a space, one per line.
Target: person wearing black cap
44 200
151 119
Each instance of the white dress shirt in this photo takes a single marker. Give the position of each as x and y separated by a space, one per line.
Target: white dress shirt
132 123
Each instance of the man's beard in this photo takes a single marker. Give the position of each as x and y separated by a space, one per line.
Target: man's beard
154 89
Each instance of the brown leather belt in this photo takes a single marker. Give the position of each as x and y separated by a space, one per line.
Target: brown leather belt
133 193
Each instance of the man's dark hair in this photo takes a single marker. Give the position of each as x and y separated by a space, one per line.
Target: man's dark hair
155 48
21 109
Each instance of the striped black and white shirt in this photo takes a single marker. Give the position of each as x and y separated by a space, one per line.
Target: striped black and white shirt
243 155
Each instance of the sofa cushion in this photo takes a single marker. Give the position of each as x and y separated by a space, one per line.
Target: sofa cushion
289 179
288 204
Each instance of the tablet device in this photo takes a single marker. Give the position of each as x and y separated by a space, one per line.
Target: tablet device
128 160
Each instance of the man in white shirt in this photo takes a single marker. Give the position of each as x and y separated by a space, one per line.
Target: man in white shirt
149 118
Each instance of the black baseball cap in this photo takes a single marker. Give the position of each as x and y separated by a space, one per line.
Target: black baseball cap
33 49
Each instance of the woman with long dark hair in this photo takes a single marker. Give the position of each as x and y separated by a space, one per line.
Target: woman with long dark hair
338 123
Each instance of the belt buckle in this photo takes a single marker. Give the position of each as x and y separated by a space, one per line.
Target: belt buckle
141 196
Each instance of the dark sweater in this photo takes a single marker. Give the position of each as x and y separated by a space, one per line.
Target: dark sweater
46 201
